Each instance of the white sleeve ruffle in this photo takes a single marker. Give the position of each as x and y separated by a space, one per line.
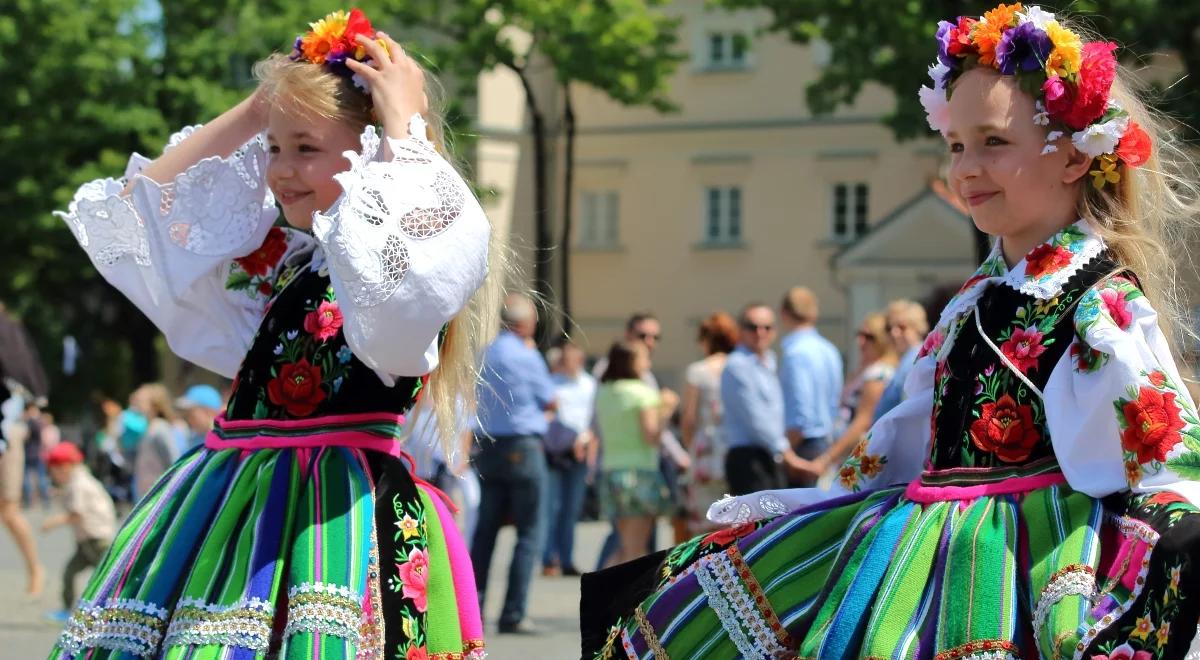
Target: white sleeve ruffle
170 247
1119 415
894 452
407 244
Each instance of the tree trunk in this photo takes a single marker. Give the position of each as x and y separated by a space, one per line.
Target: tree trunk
541 211
564 243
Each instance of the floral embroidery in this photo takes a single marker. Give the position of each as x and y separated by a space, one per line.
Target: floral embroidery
1111 297
324 322
1006 429
1023 348
253 272
414 575
1124 652
860 466
297 388
308 368
1047 258
1087 359
1117 307
1150 422
410 579
933 343
728 535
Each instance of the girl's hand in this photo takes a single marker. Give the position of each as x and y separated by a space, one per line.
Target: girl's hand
397 84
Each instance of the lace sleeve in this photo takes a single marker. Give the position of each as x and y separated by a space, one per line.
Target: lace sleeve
407 246
168 247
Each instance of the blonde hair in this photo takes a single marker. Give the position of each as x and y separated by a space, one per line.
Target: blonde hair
875 325
310 88
1149 217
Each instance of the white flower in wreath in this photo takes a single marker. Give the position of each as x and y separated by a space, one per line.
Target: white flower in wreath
937 106
1099 139
1036 15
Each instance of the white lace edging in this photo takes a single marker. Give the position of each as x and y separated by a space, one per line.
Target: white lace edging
739 510
211 208
414 196
1049 286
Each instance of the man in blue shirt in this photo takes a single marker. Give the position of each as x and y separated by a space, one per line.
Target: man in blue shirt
906 327
515 393
753 405
810 373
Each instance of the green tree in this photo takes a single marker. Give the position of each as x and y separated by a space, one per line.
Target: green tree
891 42
624 48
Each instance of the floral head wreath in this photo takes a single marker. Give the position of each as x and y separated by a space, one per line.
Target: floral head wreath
332 40
1069 80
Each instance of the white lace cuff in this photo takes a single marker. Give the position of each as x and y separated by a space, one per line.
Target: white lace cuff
407 247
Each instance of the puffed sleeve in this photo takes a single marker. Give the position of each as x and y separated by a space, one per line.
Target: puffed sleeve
1117 410
197 254
893 452
407 245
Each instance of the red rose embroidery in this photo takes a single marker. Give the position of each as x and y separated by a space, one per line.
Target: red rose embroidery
264 287
1023 348
416 653
324 323
260 261
1158 378
1152 424
729 534
1006 430
1117 307
297 388
1046 259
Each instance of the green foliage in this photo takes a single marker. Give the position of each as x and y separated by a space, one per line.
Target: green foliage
856 29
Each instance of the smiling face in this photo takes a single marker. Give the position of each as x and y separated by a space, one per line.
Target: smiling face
997 166
305 152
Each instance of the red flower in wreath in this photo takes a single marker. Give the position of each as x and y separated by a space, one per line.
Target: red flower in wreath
1023 348
728 535
260 261
1046 259
1152 424
325 322
297 388
1006 429
1134 148
1097 70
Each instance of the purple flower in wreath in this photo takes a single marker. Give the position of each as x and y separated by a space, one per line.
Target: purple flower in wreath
943 39
1024 47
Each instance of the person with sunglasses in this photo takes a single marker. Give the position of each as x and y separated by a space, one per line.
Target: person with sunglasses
752 399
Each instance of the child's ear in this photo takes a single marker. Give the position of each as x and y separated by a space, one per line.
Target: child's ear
1077 166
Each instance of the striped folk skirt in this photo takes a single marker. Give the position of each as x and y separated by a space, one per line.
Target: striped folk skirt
1031 569
327 548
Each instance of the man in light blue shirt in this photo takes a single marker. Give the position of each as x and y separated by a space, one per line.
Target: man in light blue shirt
753 409
810 374
907 325
515 394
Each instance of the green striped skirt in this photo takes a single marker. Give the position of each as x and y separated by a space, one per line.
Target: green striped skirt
1048 572
309 552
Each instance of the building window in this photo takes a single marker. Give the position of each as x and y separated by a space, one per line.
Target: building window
723 215
727 50
851 208
598 219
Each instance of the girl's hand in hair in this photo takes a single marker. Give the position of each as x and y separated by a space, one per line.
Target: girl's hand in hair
397 83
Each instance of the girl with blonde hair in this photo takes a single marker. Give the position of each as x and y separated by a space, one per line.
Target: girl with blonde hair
296 530
1035 494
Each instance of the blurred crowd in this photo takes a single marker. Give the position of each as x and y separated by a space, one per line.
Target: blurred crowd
562 436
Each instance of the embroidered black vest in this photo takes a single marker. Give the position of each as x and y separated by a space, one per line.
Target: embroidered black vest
984 415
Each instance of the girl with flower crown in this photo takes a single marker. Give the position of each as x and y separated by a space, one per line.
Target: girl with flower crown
296 531
1035 495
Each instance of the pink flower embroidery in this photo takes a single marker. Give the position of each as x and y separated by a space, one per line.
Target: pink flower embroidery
1117 307
933 342
1124 652
1023 348
414 575
324 323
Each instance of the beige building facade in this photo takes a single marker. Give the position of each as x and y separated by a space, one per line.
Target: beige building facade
740 195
